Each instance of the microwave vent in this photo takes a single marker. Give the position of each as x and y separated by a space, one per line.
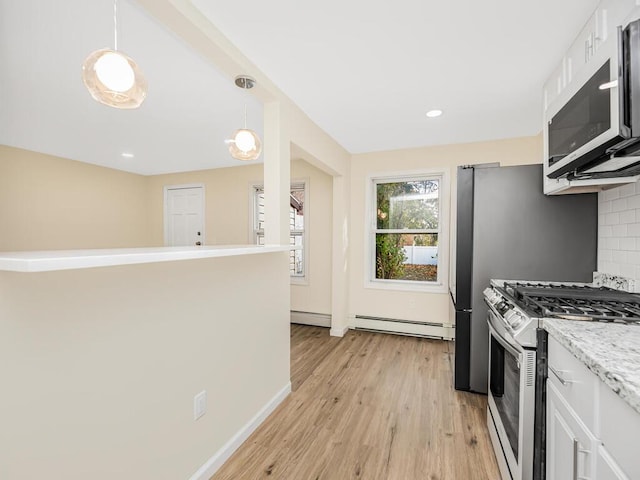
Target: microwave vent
614 164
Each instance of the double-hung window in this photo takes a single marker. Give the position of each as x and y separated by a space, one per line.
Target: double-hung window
406 231
297 238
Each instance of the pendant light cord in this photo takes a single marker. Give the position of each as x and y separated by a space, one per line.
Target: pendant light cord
115 25
245 114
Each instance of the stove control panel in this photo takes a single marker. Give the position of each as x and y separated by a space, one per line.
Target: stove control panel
521 326
497 301
492 296
514 319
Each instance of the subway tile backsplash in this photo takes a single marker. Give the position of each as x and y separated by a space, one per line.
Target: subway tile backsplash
619 231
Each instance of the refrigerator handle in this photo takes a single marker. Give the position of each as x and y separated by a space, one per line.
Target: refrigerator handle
468 310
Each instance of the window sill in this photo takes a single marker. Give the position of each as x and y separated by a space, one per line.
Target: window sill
406 286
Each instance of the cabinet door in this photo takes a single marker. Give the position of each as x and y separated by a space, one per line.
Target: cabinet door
614 13
607 468
568 444
560 445
619 427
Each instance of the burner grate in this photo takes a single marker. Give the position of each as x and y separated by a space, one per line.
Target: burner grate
577 302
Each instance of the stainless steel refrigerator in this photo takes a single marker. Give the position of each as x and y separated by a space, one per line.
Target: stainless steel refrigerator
508 229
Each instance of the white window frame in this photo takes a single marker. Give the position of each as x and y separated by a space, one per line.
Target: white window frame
302 183
370 280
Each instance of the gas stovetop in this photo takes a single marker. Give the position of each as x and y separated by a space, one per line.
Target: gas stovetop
574 301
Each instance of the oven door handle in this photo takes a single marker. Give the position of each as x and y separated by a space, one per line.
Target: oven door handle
507 346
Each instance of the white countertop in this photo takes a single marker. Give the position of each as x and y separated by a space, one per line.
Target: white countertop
610 350
52 260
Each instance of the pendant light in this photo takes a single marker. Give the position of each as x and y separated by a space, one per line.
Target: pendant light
113 78
245 144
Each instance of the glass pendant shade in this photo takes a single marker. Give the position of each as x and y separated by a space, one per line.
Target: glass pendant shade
245 145
114 79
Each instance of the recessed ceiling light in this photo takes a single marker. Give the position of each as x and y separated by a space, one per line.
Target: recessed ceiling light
128 155
434 113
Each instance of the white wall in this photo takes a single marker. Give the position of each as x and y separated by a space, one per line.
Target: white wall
619 231
408 305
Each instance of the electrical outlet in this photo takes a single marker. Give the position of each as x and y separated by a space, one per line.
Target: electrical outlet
199 405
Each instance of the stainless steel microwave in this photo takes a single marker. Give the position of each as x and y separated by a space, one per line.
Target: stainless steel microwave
596 131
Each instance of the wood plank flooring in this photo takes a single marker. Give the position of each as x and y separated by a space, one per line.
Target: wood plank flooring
309 346
369 406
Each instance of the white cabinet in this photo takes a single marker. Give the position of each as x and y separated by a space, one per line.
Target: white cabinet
607 468
590 430
594 43
570 446
618 429
574 382
600 28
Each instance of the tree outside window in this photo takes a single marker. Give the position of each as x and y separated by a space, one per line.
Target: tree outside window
407 229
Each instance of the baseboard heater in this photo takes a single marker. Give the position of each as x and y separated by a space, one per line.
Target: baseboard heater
310 318
395 326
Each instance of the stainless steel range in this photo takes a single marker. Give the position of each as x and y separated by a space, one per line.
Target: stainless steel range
517 360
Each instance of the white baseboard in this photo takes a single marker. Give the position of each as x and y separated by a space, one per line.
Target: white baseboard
309 318
211 466
404 327
338 332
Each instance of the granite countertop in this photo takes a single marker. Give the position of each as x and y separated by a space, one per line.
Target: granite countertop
610 350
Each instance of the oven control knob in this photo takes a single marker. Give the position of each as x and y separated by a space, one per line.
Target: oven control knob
490 295
516 320
503 307
507 316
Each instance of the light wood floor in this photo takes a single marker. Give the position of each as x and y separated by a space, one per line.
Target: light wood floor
309 346
371 407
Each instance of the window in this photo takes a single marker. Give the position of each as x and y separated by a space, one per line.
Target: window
296 225
406 231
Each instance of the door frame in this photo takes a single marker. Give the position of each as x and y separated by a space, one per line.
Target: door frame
165 191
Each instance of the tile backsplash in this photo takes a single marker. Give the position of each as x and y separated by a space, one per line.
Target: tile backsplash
619 231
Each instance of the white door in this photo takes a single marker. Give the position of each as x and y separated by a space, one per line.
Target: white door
183 216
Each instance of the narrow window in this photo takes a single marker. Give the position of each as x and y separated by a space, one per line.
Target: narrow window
297 220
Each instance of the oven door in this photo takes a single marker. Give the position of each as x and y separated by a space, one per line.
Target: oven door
511 403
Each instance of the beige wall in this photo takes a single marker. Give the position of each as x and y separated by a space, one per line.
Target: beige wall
227 216
315 295
53 203
50 203
101 365
226 202
418 306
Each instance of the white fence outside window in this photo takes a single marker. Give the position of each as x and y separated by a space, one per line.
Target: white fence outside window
420 255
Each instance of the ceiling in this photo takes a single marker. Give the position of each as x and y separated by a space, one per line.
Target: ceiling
365 72
190 109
